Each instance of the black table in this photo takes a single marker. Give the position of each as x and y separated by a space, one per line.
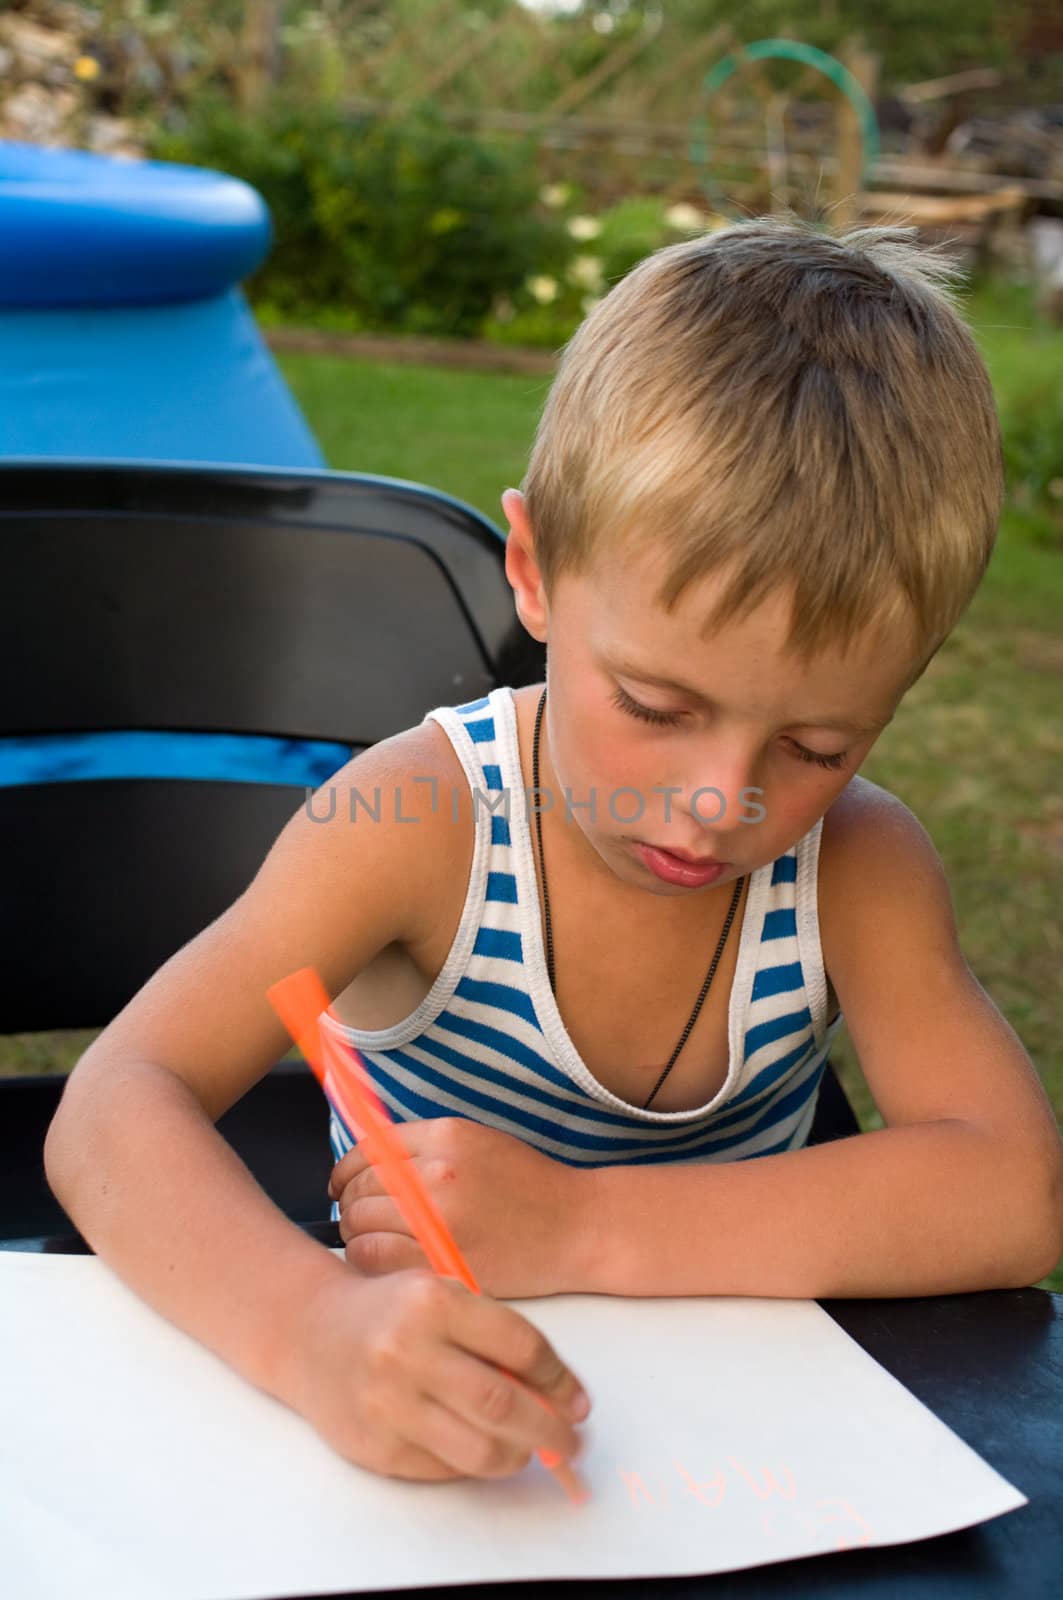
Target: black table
990 1365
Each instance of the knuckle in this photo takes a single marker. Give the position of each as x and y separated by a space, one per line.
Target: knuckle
376 1409
488 1457
363 1251
384 1358
497 1400
440 1170
530 1349
425 1294
452 1137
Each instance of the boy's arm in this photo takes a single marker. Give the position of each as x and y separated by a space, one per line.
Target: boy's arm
169 1206
132 1154
963 1188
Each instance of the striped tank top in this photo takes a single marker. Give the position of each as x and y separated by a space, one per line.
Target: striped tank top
488 1041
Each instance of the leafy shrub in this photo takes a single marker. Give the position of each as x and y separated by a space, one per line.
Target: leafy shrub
406 226
631 230
547 309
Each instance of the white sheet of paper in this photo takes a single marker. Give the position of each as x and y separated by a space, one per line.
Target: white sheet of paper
726 1433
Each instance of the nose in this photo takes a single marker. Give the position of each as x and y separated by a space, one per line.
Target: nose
724 786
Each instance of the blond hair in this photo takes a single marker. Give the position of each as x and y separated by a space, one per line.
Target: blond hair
806 407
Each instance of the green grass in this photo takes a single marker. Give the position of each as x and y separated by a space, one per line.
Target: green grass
468 433
975 750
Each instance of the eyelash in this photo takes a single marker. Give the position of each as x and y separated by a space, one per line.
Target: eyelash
669 718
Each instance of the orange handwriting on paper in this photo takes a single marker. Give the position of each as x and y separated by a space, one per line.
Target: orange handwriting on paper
636 1488
701 1491
779 1520
858 1532
771 1485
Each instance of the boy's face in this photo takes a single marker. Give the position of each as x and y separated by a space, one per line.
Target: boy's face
744 729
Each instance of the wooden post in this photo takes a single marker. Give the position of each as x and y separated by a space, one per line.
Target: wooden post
864 68
256 70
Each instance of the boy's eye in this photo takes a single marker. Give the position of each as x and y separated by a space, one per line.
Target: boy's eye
832 763
634 708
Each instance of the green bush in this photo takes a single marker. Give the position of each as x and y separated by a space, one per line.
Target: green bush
631 230
405 226
547 310
408 226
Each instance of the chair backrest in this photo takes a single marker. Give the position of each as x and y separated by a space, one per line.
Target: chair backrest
221 610
194 603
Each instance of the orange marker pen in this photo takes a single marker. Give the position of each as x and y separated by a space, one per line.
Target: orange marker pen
299 1001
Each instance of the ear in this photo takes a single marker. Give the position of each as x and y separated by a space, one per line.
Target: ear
522 569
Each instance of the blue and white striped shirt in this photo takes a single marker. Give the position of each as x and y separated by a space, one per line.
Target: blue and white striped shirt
488 1041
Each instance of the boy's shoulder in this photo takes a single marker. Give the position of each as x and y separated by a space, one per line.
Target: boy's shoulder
865 821
854 808
411 791
870 844
403 773
880 881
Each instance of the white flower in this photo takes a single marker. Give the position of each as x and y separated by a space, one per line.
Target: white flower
685 217
543 289
584 227
554 194
586 271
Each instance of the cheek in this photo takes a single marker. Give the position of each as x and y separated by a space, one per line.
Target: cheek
625 774
596 756
795 808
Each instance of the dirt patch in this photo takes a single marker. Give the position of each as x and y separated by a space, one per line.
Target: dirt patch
1038 652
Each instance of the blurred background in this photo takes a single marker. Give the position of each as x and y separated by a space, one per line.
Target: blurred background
454 183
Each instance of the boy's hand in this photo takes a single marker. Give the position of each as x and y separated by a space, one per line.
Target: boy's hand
401 1375
514 1213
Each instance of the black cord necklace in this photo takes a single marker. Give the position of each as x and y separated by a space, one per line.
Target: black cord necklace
546 911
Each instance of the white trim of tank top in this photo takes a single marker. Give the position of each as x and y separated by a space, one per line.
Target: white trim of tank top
457 960
542 995
808 942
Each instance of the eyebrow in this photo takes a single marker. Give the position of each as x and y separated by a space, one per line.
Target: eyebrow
632 670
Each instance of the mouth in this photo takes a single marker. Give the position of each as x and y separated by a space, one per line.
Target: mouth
689 857
681 868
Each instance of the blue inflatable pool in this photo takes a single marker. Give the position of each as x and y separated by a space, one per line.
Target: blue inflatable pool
124 336
123 330
96 233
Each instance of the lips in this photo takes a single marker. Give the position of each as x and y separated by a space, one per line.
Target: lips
686 872
690 859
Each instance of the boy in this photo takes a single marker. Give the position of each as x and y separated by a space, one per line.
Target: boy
764 488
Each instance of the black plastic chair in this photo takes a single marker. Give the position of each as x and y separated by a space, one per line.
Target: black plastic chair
210 600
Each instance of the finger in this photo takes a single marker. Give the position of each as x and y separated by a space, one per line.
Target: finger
375 1214
471 1448
420 1466
366 1186
361 1188
503 1410
508 1375
447 1446
507 1339
347 1168
376 1254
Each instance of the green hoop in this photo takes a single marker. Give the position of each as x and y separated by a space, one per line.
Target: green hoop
809 55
